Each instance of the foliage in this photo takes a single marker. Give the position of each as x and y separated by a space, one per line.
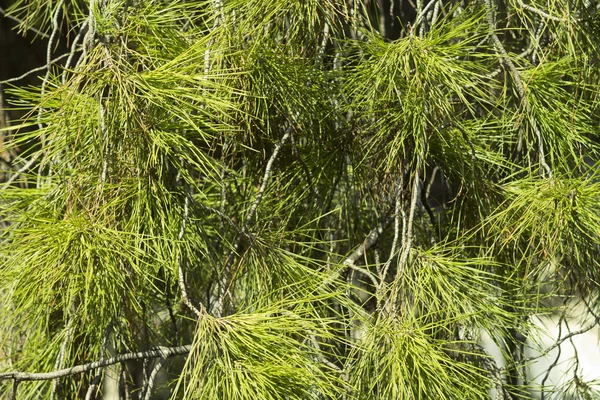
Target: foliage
318 197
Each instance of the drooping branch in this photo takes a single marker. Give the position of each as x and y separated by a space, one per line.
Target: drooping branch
238 243
186 298
407 243
559 342
491 18
94 386
24 24
397 212
150 385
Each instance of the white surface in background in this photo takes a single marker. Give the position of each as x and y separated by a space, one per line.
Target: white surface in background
575 360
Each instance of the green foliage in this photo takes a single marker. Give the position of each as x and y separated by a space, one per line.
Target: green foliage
318 200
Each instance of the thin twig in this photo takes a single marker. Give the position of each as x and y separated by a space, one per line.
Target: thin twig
218 10
249 217
25 167
541 13
407 239
559 342
370 240
90 35
60 359
422 13
104 133
265 180
23 23
491 17
181 279
397 211
55 29
31 71
535 42
93 388
407 244
55 32
148 389
323 45
436 12
365 272
157 352
223 216
74 49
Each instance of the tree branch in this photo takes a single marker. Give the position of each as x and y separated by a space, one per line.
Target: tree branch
539 12
24 168
251 213
369 241
31 71
158 352
180 276
559 342
93 388
491 17
407 245
148 389
397 211
23 23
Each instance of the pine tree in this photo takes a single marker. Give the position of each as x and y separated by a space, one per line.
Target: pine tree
300 199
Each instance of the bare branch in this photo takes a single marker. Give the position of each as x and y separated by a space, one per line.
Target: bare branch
369 241
31 71
407 245
539 12
422 12
397 211
491 17
158 352
559 342
218 10
365 272
265 180
148 389
321 50
88 40
180 276
261 191
24 168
